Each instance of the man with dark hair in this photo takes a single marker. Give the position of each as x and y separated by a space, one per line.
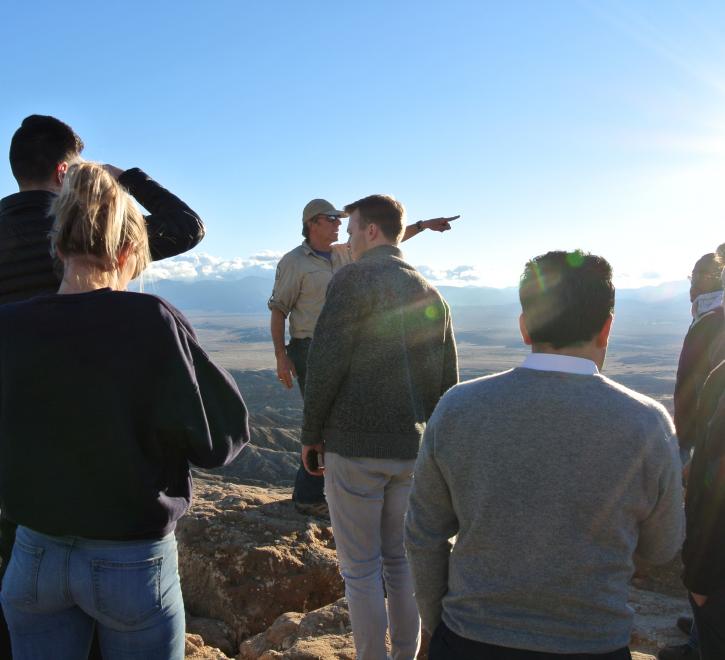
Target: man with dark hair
697 359
41 151
552 478
382 355
299 293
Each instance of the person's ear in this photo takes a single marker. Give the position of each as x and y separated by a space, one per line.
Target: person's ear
372 231
122 257
60 171
603 335
524 331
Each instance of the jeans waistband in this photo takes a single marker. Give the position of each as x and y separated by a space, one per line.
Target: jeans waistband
98 543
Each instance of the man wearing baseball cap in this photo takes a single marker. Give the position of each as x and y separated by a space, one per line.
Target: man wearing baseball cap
299 293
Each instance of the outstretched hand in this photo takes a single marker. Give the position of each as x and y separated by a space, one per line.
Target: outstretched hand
439 224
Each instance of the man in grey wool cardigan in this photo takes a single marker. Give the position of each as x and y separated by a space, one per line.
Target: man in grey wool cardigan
381 356
552 478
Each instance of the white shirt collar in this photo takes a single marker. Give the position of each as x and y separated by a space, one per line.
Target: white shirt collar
556 362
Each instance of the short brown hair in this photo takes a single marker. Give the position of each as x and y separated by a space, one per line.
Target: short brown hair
383 211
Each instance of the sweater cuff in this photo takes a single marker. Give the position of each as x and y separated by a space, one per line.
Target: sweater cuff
430 615
310 437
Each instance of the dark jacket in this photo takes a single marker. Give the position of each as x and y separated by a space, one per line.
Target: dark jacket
26 267
105 398
703 553
696 361
382 355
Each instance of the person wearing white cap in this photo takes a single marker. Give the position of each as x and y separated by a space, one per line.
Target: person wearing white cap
299 294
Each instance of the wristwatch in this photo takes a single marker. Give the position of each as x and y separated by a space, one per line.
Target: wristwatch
419 225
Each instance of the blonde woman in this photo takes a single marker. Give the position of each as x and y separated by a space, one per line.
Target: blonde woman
105 398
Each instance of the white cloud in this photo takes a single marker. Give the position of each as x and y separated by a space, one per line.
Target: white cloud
458 276
203 266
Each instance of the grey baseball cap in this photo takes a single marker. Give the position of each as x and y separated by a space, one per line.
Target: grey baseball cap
320 207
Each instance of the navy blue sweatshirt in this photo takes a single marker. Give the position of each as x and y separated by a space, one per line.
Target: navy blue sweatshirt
105 399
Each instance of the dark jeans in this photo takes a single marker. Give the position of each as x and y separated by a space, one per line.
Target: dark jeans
446 645
308 489
710 622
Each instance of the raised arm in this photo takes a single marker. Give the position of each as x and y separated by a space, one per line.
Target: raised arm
172 226
434 224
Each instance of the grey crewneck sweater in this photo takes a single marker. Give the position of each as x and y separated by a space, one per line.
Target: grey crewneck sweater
382 355
551 482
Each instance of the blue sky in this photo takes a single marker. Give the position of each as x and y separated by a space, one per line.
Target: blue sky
547 125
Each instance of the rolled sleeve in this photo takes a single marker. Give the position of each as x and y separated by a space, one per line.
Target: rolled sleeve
287 283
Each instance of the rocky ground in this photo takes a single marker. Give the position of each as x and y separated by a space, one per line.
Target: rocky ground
261 582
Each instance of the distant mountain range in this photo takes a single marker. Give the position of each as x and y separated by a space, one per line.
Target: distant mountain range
250 295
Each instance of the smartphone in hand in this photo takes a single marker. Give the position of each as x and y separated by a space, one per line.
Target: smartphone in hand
315 460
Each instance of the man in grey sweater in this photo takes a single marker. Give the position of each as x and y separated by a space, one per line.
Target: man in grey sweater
381 356
552 478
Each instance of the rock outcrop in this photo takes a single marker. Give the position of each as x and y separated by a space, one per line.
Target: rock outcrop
196 649
246 556
323 634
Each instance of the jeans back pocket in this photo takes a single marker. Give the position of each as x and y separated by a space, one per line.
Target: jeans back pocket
128 593
20 584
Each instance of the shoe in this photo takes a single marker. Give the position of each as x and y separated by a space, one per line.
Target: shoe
681 652
684 623
316 509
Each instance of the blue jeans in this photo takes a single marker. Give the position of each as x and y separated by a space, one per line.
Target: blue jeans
56 589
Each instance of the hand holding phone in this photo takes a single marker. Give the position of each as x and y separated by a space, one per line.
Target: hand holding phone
313 458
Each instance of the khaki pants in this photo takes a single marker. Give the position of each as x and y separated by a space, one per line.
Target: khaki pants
368 498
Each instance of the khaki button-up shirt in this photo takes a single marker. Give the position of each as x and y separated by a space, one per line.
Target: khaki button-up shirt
300 285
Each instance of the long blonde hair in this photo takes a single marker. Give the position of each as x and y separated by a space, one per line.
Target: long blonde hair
95 217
